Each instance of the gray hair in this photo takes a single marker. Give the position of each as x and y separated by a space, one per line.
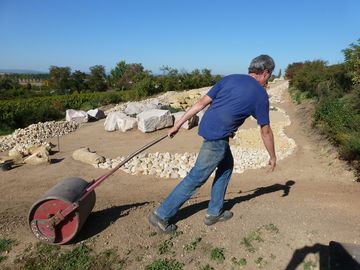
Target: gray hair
261 63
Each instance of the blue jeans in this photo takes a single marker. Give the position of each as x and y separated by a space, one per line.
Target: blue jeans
212 155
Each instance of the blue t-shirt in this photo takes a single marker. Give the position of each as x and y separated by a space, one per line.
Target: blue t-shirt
234 98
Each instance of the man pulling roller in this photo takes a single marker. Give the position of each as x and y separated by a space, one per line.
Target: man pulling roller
232 100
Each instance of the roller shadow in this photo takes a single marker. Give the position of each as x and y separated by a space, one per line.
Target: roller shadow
100 220
228 204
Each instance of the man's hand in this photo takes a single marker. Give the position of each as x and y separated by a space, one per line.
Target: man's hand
172 132
272 164
197 107
268 139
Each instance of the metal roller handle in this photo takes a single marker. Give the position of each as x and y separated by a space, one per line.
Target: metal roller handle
99 180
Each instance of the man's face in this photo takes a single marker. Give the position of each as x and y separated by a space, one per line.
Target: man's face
266 75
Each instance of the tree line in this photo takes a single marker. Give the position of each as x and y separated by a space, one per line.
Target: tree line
124 76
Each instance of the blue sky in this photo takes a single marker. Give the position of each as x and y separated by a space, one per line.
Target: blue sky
220 35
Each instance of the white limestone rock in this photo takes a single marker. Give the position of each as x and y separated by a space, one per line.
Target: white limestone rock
96 114
155 119
76 116
134 108
125 123
111 121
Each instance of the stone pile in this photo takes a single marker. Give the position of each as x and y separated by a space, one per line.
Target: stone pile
183 100
34 155
277 89
247 149
36 134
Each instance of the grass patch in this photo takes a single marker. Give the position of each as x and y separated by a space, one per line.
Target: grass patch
165 264
192 246
81 257
299 96
248 241
165 247
5 246
242 262
217 254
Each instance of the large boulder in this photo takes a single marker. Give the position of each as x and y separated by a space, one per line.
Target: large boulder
155 119
119 121
37 158
86 156
111 121
96 114
192 122
76 116
134 108
125 123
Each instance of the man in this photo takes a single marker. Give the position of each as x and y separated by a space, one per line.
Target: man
232 100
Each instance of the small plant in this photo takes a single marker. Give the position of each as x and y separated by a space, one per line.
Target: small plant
242 262
309 265
217 254
260 262
248 240
165 247
272 228
176 234
152 234
207 267
165 264
192 246
5 245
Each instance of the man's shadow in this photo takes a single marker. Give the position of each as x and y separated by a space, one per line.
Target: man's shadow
299 256
228 204
100 220
335 256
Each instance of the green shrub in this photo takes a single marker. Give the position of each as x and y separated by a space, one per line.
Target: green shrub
217 254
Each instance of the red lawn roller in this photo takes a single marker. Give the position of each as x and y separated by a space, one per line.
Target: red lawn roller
61 212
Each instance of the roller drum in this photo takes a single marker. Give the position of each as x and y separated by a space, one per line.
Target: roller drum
59 198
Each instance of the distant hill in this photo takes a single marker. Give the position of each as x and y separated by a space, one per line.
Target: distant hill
21 71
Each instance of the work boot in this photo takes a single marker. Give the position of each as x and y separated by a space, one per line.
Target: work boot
162 225
224 216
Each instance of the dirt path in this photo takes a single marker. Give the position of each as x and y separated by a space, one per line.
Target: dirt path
295 211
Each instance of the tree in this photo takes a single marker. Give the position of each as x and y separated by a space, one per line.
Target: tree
59 78
117 73
97 78
309 76
6 83
123 76
78 81
292 69
352 61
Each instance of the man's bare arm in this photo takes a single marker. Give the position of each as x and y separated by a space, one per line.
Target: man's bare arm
197 107
268 139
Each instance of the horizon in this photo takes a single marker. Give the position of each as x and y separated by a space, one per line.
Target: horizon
222 37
